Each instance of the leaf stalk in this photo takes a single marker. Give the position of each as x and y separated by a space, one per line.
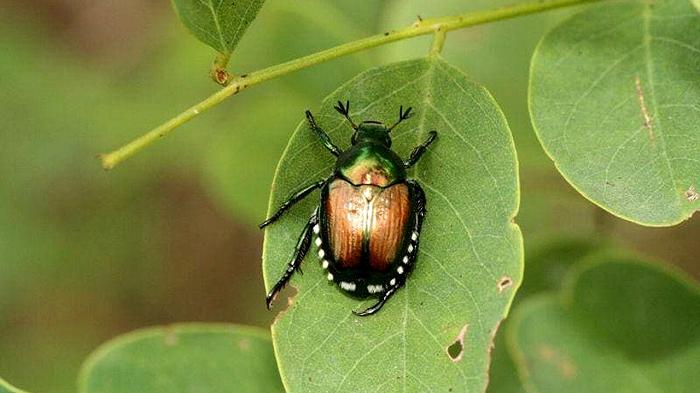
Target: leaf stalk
438 42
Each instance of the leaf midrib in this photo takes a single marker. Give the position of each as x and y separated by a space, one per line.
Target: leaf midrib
215 17
646 42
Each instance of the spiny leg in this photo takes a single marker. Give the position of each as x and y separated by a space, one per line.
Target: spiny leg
325 139
377 306
345 111
295 264
406 264
419 150
402 116
299 195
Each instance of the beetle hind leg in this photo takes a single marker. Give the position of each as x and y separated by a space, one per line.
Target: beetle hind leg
377 306
295 264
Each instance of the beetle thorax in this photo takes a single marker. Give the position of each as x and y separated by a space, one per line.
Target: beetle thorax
371 165
369 175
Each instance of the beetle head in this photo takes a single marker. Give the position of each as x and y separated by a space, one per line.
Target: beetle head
372 131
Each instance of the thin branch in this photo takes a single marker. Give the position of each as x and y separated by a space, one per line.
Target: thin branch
420 27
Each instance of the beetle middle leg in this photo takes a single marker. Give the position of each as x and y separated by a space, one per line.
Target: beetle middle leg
299 195
419 150
407 261
295 264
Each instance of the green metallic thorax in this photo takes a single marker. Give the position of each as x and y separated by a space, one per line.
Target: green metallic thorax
372 163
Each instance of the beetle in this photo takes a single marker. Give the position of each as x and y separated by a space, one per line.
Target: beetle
367 226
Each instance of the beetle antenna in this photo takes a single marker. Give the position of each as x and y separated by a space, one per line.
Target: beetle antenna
402 116
345 111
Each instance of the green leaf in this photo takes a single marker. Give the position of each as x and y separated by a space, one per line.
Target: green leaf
620 326
469 244
614 98
218 23
7 388
183 358
549 264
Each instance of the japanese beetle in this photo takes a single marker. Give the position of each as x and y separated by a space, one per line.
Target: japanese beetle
367 226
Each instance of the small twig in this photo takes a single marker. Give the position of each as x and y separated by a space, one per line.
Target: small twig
420 27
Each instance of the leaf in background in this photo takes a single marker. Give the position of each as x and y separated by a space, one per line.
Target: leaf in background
621 326
614 97
184 358
545 270
549 264
503 374
218 23
7 388
469 243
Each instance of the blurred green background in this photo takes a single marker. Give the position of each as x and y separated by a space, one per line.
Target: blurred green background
171 234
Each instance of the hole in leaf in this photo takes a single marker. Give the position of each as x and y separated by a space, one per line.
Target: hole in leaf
456 350
283 301
504 283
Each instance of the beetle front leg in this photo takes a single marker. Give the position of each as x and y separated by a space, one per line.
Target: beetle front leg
419 150
325 139
295 264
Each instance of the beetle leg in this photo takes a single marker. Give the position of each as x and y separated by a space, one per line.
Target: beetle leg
295 264
419 150
299 195
345 111
418 202
402 116
377 306
325 139
419 210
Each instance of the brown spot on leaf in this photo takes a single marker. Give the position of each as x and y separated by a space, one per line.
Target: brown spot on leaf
645 111
567 369
504 283
563 364
456 350
244 344
546 352
692 194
